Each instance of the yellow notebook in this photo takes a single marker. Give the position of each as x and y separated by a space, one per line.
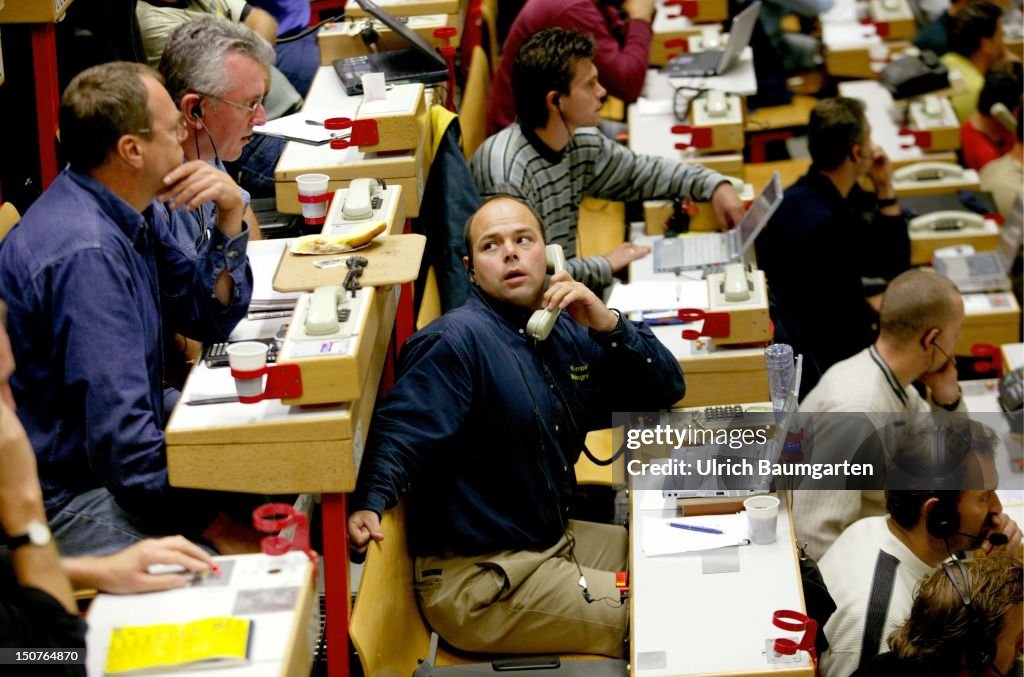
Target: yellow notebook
208 642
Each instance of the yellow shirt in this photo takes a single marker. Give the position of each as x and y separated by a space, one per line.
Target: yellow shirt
973 79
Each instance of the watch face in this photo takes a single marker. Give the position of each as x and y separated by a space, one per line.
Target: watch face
38 533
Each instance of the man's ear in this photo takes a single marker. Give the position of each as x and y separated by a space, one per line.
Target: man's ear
469 269
130 150
554 99
191 110
929 337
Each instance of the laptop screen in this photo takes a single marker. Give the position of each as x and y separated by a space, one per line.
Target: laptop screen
417 40
760 211
739 37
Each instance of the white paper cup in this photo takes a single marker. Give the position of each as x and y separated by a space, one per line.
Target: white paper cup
313 185
762 517
248 356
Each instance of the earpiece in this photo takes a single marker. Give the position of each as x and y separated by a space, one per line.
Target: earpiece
943 520
197 112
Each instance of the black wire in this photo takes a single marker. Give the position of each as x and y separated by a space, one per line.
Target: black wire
697 92
299 36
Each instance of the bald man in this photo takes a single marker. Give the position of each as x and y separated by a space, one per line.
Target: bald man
490 474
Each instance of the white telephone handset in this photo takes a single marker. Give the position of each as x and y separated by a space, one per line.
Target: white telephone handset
735 286
322 312
358 200
716 104
543 321
928 171
946 220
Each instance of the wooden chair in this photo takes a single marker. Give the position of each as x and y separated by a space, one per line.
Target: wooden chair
473 111
8 217
489 18
601 227
430 305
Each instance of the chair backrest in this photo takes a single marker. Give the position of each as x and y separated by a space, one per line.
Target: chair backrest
430 304
489 18
8 217
473 113
387 629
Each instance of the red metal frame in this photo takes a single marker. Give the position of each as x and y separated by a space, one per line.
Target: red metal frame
44 66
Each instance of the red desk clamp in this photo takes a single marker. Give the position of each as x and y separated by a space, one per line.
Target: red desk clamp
701 136
676 42
687 8
364 132
915 137
271 518
881 27
991 360
716 325
310 199
283 381
446 33
794 621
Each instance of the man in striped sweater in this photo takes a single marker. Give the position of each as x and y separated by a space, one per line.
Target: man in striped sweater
554 156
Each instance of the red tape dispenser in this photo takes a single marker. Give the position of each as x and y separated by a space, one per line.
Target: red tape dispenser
272 518
784 650
716 325
364 132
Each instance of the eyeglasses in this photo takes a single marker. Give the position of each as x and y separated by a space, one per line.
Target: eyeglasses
250 109
179 131
948 357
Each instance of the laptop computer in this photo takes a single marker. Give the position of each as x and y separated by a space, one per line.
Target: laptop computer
987 271
674 254
721 484
716 62
421 63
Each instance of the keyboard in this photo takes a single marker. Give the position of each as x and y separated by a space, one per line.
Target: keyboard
690 252
983 265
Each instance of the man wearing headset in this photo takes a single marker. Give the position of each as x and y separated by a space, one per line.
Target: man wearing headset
920 321
873 568
483 428
554 156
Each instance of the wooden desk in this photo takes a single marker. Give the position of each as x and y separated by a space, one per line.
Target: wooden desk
282 640
789 171
341 40
406 168
990 318
684 622
409 7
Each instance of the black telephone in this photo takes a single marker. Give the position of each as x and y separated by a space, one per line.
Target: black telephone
914 76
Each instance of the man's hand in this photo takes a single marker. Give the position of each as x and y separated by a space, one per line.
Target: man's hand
582 304
626 253
943 383
21 498
1003 524
363 525
639 9
196 182
880 172
125 572
727 205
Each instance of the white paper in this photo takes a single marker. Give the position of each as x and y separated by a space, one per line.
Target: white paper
660 538
658 295
373 87
264 257
307 126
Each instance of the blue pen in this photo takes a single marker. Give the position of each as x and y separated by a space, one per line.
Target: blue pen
694 527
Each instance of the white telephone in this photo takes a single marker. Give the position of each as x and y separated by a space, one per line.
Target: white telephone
322 314
928 171
359 199
1001 113
735 286
931 106
891 5
543 321
716 104
710 39
946 221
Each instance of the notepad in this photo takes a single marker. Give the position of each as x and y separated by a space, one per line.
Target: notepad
208 642
660 538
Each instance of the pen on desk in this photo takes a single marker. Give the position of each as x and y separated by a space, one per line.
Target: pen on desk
315 123
694 527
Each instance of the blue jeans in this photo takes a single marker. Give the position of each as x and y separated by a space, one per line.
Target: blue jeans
299 61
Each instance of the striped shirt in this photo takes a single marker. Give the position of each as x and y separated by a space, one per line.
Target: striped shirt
515 161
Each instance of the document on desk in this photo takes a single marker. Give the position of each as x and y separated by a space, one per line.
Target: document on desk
692 534
264 257
304 127
658 295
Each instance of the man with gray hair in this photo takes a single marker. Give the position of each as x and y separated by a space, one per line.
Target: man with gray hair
921 317
216 72
94 280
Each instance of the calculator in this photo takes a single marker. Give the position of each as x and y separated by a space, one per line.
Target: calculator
216 354
723 413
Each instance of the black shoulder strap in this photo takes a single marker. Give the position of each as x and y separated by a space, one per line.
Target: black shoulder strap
878 605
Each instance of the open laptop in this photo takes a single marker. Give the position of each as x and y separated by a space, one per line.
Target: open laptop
987 271
674 254
716 62
422 63
712 485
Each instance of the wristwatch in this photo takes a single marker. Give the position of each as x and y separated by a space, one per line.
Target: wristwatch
37 533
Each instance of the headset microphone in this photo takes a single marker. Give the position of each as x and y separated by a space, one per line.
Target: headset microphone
996 538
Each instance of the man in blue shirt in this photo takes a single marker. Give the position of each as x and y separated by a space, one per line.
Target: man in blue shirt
95 281
484 427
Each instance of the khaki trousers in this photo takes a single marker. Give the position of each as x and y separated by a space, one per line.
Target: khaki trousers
530 601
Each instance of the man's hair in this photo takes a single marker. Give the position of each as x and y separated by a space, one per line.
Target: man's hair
193 59
835 127
467 230
546 62
935 462
1002 85
942 634
915 302
973 23
99 106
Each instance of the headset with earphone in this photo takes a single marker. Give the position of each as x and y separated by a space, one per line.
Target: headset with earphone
979 649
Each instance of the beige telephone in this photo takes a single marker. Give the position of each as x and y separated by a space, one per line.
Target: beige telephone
735 286
359 199
928 171
716 104
543 321
322 313
946 220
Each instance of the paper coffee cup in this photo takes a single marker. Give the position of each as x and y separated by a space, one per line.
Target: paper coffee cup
762 517
313 185
248 356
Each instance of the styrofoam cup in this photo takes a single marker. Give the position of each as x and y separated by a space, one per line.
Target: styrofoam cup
762 518
248 356
313 185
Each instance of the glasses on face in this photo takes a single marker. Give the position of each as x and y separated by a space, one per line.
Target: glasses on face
250 108
948 357
179 131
